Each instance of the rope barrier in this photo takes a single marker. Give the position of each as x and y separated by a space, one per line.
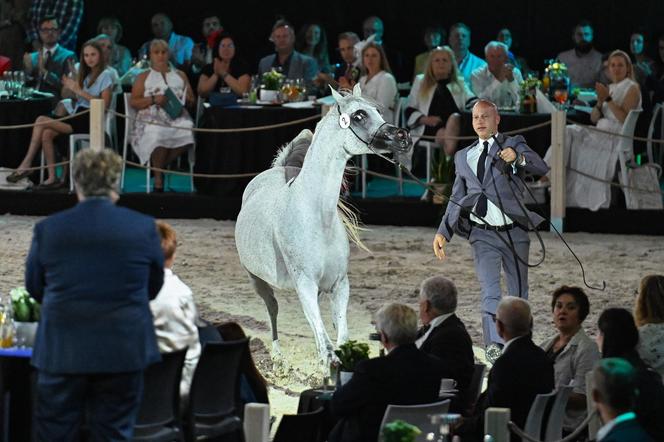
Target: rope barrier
42 123
573 435
206 130
638 189
592 128
195 175
45 166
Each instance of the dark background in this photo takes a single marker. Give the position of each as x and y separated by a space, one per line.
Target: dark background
540 29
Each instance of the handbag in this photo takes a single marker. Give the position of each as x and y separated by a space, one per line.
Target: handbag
173 105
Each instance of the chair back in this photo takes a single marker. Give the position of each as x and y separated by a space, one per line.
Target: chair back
475 387
418 415
130 112
656 115
302 427
215 387
625 145
111 128
160 405
544 407
554 425
200 108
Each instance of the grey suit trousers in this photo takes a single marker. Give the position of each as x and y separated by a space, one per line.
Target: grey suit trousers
490 255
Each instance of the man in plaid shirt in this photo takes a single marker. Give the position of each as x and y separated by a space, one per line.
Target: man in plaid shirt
68 14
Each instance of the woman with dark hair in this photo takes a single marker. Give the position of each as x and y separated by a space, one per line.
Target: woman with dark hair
92 81
225 71
618 338
572 352
649 314
312 41
253 384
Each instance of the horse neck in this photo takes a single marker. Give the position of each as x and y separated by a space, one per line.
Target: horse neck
323 168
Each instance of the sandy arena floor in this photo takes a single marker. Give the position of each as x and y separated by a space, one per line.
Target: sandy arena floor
402 257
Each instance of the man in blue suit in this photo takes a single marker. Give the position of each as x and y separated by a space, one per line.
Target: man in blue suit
95 268
486 207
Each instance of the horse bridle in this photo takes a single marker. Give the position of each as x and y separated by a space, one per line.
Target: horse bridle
373 137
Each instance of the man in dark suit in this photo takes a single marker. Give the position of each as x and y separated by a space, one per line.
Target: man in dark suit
94 267
488 211
614 394
443 334
286 59
522 372
46 66
406 376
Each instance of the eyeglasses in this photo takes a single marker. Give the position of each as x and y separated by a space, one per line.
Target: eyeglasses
49 30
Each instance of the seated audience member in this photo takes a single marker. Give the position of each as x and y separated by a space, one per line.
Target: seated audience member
649 315
656 81
68 14
106 44
443 334
434 36
460 44
253 386
174 312
497 81
373 25
618 338
204 52
346 73
505 36
436 100
406 376
583 61
158 144
92 81
312 41
522 372
615 393
571 351
378 83
226 70
180 47
644 66
596 153
120 56
46 67
286 59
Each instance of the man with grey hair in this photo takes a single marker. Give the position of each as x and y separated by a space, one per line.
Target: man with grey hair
443 335
405 376
286 59
498 80
94 268
522 371
181 46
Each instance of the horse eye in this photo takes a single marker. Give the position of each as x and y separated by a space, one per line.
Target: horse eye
359 116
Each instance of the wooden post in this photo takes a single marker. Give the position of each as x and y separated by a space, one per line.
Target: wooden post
558 183
495 424
256 422
97 118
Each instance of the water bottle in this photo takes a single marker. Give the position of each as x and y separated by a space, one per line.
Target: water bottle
7 327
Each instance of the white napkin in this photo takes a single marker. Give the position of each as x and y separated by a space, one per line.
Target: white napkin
544 106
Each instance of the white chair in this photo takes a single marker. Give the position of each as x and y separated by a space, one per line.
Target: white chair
554 421
625 145
418 415
656 113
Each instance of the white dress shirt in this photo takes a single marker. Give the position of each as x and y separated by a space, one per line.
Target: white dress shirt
503 93
382 88
435 322
494 216
468 65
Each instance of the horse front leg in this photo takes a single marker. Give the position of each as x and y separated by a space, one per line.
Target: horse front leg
307 291
339 304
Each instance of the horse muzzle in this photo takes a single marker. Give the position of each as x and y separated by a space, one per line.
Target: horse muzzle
392 138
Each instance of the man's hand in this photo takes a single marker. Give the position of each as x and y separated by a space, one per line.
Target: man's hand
439 242
508 155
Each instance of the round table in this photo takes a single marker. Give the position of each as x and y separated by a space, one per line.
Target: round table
14 142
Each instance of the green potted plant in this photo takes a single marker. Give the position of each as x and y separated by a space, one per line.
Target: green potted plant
442 177
26 314
270 85
400 431
349 355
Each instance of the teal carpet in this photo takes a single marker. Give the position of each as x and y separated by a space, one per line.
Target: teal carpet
135 182
384 188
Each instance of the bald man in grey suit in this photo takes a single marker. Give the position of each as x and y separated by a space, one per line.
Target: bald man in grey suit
487 206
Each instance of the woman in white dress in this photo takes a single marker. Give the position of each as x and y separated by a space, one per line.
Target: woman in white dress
378 83
595 153
153 142
649 315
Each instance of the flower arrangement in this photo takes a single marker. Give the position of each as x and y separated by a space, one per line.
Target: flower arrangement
400 431
351 353
528 94
25 308
272 80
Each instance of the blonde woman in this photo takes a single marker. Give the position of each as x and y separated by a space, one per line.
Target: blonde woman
436 100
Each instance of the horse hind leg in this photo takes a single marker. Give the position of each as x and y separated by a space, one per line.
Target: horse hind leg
266 292
339 304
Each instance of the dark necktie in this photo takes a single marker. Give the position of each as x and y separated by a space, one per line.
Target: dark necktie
47 58
480 208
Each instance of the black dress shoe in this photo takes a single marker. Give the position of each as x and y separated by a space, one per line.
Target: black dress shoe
17 176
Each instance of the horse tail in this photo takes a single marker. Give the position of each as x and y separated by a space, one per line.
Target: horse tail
351 223
293 152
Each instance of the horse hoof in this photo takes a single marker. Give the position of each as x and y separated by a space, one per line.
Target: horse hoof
276 351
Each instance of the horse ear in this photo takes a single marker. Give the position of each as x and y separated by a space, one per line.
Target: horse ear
357 92
337 96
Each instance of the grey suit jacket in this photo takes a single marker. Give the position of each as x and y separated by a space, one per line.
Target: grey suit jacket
467 187
301 66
